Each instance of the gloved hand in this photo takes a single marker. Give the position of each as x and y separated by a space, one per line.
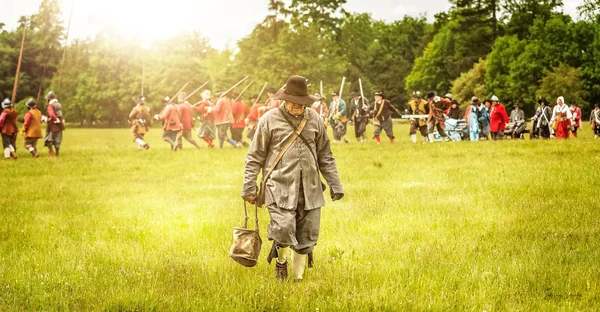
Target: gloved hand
335 197
250 198
156 117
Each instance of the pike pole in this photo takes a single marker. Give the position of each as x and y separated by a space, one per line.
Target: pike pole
14 93
261 92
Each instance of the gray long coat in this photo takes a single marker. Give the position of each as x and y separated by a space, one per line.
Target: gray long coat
282 188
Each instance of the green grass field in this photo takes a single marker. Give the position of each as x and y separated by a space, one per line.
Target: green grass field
488 226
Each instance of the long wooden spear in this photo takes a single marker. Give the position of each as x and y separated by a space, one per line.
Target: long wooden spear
261 92
243 91
234 86
176 94
37 100
321 90
14 93
62 62
189 96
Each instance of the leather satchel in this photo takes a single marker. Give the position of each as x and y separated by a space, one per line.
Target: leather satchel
246 242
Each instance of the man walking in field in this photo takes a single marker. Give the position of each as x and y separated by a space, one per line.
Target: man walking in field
54 131
9 129
337 118
207 130
32 127
140 123
223 119
595 120
186 113
239 110
291 147
418 106
359 116
252 118
171 122
321 107
382 110
436 119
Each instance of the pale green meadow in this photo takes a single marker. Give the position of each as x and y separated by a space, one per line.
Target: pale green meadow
466 226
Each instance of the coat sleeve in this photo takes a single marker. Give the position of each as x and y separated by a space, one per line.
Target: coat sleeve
51 112
2 118
504 115
256 158
327 164
133 113
165 113
26 121
342 111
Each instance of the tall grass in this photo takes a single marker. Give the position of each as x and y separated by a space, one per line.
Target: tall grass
510 225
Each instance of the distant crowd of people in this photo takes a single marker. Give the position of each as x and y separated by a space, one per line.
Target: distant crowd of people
225 117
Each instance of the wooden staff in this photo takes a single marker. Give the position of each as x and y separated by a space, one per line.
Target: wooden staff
176 94
62 62
189 96
37 100
234 86
321 90
342 86
14 93
362 95
142 73
261 92
241 93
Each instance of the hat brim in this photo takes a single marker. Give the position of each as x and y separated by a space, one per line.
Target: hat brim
306 100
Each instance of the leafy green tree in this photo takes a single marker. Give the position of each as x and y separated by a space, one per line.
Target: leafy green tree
563 81
469 84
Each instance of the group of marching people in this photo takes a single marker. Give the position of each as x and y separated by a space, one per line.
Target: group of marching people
490 119
219 116
32 127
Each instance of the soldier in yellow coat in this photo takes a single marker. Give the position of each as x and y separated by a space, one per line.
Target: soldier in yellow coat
418 106
140 123
32 127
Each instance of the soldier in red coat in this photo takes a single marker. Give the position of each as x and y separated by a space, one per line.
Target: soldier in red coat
498 119
9 129
207 130
239 110
252 118
186 115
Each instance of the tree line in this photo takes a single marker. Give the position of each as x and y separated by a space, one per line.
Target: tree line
517 50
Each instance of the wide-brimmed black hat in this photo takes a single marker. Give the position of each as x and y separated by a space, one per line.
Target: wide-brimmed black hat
516 105
379 93
543 100
296 91
335 93
319 96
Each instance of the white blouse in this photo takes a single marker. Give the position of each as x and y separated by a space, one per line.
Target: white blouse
561 109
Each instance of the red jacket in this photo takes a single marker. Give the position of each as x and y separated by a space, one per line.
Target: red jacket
203 110
186 115
171 117
254 114
239 110
271 104
498 118
222 111
8 121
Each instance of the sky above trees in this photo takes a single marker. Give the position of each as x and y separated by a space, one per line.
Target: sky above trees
223 23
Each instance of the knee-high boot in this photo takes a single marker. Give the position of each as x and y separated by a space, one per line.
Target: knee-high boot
298 265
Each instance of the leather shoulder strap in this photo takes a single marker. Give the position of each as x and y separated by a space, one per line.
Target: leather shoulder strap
380 108
286 147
